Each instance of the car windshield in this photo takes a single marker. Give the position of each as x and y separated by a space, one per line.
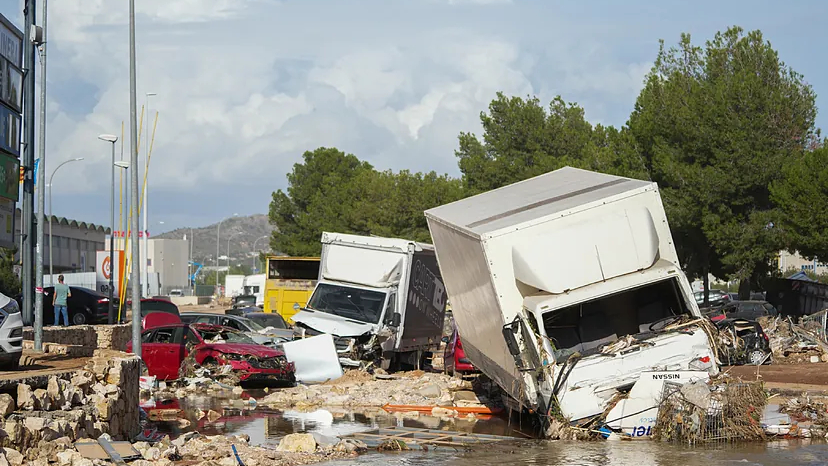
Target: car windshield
224 335
268 320
253 325
346 301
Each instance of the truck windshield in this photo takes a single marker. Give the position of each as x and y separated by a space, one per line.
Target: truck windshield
344 301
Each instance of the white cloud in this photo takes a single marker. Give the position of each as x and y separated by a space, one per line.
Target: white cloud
244 87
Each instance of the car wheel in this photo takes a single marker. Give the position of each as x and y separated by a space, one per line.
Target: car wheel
756 357
79 318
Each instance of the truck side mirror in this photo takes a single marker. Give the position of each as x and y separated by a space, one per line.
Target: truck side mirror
511 341
396 319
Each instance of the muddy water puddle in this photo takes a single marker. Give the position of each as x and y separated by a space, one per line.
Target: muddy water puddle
267 426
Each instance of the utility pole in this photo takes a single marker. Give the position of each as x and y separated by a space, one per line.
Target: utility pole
27 228
135 277
41 195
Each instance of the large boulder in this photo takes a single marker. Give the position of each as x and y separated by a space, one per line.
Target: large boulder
297 443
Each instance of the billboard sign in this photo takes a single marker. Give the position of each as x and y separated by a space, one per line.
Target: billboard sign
9 179
7 224
104 268
11 43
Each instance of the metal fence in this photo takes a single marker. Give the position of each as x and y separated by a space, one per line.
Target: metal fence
81 279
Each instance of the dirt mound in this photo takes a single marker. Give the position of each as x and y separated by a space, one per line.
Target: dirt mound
411 374
351 376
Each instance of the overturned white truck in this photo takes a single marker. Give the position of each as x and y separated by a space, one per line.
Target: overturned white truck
382 299
566 288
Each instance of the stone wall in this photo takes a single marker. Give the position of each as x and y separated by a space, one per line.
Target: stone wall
101 398
114 337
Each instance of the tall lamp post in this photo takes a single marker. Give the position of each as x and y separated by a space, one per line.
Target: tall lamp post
256 256
112 139
218 251
51 214
228 248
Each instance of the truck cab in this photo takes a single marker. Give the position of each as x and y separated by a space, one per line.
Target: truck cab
381 299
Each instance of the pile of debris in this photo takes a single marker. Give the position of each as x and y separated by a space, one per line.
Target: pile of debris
722 410
196 449
796 343
357 389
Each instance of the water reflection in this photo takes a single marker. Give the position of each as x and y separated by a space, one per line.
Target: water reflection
266 426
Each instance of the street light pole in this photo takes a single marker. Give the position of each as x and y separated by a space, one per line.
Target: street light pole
228 249
39 182
112 139
51 214
218 252
255 256
135 277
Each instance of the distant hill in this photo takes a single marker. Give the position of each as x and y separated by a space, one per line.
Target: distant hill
242 231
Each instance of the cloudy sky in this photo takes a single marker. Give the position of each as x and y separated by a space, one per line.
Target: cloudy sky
244 87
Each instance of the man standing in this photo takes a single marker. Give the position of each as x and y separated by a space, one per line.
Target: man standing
59 297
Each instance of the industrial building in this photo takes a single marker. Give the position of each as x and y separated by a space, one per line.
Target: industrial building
75 244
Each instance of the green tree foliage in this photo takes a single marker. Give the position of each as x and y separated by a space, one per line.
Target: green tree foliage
9 282
716 126
802 197
334 191
521 139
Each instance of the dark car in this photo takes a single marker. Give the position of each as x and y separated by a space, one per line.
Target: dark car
268 319
242 311
750 310
156 305
715 298
85 306
752 344
244 301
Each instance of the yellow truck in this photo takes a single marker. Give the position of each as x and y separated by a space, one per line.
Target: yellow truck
290 283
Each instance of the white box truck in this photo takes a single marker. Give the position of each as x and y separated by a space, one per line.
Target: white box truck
382 299
566 287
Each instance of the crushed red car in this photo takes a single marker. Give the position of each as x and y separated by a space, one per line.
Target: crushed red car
165 347
454 358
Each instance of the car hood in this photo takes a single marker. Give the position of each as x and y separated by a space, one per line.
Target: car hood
331 324
244 349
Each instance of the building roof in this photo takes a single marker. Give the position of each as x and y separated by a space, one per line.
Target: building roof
72 223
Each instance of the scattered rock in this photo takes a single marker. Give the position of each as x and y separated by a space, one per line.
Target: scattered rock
297 443
238 390
443 412
14 457
213 416
351 446
199 414
42 400
25 397
430 391
7 405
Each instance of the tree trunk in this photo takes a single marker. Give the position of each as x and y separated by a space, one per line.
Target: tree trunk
744 289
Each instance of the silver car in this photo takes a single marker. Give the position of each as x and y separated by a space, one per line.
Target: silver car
268 336
11 333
